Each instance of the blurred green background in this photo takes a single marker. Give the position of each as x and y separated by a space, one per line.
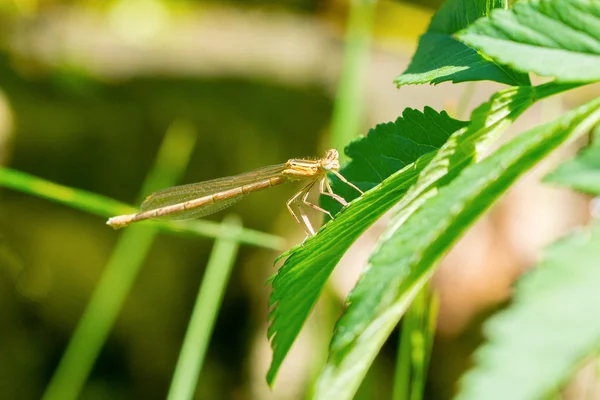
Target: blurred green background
88 90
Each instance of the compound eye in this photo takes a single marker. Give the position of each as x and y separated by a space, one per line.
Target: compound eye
330 161
332 154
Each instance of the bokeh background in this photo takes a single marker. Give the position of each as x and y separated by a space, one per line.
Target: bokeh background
88 90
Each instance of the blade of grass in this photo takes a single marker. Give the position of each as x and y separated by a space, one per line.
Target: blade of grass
106 207
349 104
213 230
420 343
464 99
414 347
325 315
202 321
119 275
403 371
433 308
75 198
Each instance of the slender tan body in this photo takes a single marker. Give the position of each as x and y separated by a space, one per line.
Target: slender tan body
293 170
124 220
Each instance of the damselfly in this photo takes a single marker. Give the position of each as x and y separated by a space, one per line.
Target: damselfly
205 198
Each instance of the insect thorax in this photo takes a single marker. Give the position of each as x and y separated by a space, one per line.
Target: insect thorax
303 169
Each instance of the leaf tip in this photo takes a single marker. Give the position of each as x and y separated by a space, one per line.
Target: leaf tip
272 372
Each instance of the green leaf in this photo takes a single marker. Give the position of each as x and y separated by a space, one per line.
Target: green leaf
388 148
557 38
549 329
300 280
582 173
441 58
410 249
316 259
465 145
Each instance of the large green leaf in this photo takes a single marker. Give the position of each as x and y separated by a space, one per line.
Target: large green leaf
550 328
441 58
582 173
465 145
415 241
388 148
557 38
300 280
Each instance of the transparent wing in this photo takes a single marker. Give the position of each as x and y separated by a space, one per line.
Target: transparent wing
183 193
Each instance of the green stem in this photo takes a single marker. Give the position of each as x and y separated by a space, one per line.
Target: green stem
465 98
100 314
349 105
118 277
432 312
205 312
106 207
414 347
402 374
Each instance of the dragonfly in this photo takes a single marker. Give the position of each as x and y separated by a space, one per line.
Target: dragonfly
204 198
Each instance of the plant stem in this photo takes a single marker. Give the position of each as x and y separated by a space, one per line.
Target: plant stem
118 277
208 302
349 104
106 207
414 346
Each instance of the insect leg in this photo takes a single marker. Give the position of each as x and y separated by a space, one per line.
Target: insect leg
346 181
330 193
304 222
316 207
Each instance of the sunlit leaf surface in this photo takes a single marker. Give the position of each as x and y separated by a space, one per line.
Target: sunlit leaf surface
441 58
300 280
534 34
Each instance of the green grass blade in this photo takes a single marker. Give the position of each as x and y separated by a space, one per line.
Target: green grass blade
75 198
433 308
414 349
212 229
349 105
106 207
205 312
403 371
118 277
420 343
100 314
